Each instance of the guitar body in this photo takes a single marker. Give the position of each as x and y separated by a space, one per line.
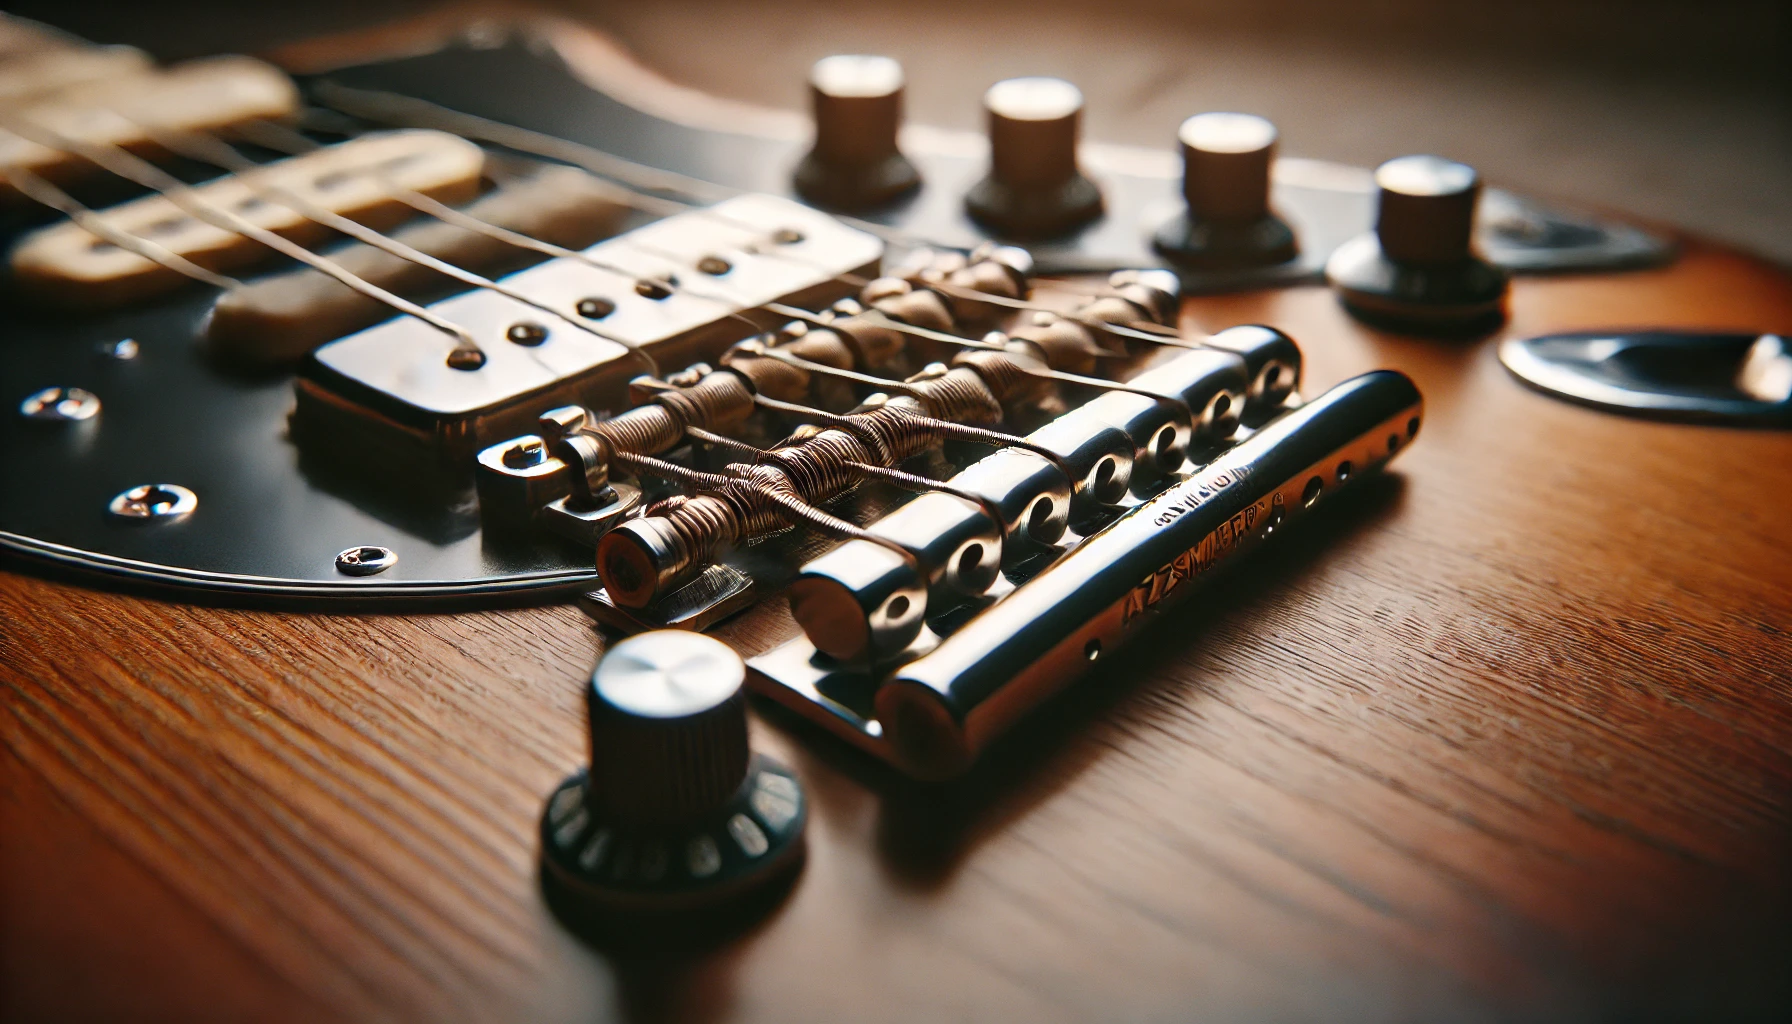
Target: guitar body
1506 735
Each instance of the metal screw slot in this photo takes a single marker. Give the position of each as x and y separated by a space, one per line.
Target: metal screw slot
366 560
154 501
64 405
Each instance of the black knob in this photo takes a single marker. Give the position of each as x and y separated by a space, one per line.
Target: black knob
1418 272
1228 225
1034 188
675 812
855 163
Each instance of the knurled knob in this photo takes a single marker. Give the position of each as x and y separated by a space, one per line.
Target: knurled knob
855 163
1035 188
1225 165
675 815
668 728
1426 210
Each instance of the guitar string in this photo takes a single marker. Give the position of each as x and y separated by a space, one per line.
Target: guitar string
131 167
39 189
295 142
221 154
392 108
212 150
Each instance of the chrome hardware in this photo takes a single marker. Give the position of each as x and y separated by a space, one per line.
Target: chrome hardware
366 560
1738 378
62 405
153 501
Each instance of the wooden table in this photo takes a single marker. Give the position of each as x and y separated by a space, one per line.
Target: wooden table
1508 735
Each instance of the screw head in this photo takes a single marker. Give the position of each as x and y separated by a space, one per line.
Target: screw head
527 334
595 309
524 454
153 501
365 560
122 349
61 405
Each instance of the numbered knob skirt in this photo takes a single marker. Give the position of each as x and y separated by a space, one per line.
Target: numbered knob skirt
1034 189
1227 225
675 813
1418 272
855 163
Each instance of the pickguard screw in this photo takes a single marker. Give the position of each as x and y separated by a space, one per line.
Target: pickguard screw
154 501
366 560
65 405
122 349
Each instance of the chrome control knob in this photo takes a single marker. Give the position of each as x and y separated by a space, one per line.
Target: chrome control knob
855 163
1034 188
1228 224
675 812
1418 272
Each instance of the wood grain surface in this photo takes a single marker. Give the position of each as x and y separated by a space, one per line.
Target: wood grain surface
1507 736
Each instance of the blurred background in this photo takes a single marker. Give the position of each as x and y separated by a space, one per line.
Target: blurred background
1679 112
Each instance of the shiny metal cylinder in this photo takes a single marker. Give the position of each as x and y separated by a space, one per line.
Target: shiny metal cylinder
861 602
1096 454
1031 495
941 709
1271 359
956 545
1212 383
1159 431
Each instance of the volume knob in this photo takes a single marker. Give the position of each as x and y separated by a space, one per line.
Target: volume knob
855 163
1418 271
1228 225
1034 188
675 812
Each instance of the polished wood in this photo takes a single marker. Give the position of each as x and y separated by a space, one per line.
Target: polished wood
1506 735
1509 734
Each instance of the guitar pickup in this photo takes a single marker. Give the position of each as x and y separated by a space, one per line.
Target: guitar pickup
357 179
574 331
127 110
